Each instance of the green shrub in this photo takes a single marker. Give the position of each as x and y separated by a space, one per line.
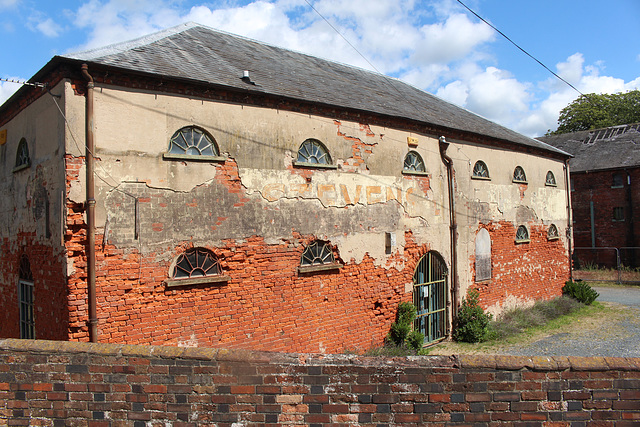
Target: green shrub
415 340
580 291
471 323
400 333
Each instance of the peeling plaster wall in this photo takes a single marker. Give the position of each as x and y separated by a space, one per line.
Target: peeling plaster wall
360 200
257 210
500 205
31 209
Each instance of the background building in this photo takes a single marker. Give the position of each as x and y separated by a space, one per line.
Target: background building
605 177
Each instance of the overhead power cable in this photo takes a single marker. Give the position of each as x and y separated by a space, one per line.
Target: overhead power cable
516 45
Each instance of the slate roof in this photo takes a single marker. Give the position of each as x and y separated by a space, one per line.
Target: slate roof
199 53
608 148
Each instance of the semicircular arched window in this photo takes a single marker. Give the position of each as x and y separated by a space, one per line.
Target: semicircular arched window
413 163
196 265
480 170
192 143
552 232
317 256
23 160
550 179
522 234
313 153
519 175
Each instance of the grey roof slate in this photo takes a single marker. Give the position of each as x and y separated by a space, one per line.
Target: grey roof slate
199 53
608 148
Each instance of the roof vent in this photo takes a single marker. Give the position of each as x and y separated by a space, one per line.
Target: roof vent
246 78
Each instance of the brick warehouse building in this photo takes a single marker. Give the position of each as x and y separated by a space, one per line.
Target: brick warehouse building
605 173
235 194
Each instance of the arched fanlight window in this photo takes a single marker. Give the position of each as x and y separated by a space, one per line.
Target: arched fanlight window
480 170
196 262
551 179
413 162
25 293
313 152
519 175
317 253
22 156
317 256
522 234
552 232
192 141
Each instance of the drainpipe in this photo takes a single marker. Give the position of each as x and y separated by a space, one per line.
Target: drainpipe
567 185
453 226
91 209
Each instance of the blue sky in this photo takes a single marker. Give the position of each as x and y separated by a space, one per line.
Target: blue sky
435 45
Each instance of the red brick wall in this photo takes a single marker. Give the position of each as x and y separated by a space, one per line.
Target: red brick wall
596 187
49 291
265 305
60 384
534 270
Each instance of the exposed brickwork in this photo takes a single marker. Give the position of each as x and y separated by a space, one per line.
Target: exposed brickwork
49 290
597 188
534 270
267 304
59 384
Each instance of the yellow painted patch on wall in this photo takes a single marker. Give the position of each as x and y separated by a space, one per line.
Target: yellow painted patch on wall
3 136
413 142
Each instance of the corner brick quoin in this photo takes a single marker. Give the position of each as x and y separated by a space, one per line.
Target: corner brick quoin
55 383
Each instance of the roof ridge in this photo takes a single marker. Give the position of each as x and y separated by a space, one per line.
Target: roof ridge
119 47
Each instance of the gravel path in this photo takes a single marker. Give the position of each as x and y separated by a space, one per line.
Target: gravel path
616 336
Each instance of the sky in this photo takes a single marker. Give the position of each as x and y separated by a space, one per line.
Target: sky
435 45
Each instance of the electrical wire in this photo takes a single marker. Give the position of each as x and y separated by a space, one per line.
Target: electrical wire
73 138
521 49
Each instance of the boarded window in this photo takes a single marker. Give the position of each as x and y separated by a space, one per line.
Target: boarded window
483 255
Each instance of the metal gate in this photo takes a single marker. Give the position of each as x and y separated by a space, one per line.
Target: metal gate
430 296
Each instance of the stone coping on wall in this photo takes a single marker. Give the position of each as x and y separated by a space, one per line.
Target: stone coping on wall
464 361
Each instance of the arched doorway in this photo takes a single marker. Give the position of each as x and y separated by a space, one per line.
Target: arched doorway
430 296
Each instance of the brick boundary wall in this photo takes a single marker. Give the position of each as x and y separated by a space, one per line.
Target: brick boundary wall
54 383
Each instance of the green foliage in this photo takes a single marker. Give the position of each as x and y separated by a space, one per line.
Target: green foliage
595 111
401 333
415 340
580 291
471 323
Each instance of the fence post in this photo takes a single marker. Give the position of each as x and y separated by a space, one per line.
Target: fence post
618 264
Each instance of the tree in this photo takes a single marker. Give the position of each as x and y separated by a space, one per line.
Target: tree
595 111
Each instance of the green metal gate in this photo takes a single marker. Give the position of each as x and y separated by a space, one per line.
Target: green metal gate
430 296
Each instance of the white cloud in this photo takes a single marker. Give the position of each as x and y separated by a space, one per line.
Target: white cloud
8 3
39 22
7 89
431 45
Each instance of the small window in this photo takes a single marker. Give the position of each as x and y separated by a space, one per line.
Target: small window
23 160
552 232
317 256
522 234
192 143
618 181
550 180
618 214
413 163
519 175
196 265
25 293
313 153
483 255
480 170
